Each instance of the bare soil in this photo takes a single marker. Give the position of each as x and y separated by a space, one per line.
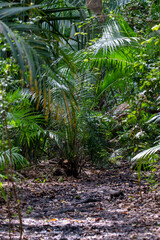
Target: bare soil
101 204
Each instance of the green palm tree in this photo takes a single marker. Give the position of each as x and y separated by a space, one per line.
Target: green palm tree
35 35
40 38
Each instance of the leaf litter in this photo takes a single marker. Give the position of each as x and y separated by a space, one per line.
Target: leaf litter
100 204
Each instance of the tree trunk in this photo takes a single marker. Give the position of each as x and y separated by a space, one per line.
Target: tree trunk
95 6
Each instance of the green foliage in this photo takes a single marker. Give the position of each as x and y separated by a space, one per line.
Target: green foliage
29 210
146 154
24 124
2 191
18 160
75 74
93 132
141 14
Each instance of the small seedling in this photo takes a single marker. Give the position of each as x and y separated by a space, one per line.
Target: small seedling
2 192
77 197
29 210
60 179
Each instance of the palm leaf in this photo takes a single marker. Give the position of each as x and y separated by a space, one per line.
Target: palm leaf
155 118
18 160
146 153
9 12
15 45
7 4
111 39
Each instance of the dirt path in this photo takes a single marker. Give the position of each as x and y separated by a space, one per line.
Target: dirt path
100 205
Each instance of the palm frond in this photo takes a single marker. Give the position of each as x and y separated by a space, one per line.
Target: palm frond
116 4
111 39
11 38
25 118
7 4
155 118
18 160
9 12
146 153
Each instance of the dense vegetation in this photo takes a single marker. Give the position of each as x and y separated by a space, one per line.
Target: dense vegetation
77 86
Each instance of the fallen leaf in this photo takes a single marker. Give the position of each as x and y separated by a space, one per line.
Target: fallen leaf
53 220
98 219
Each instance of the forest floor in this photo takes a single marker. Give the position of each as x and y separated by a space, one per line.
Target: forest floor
101 204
